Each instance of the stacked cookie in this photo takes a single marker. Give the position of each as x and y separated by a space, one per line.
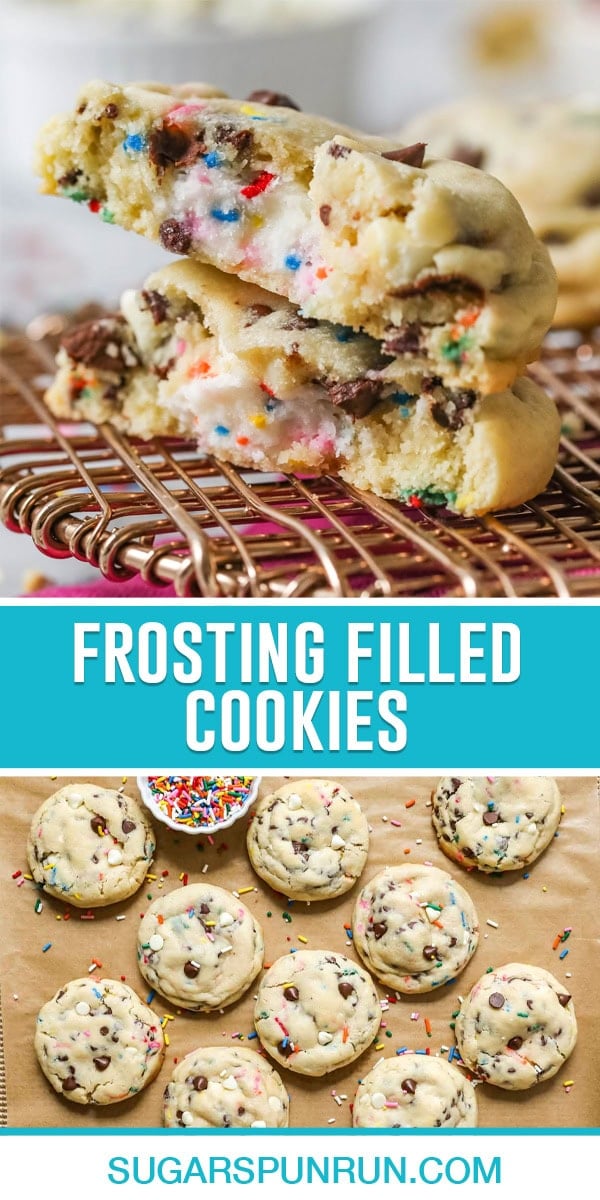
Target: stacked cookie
549 156
348 305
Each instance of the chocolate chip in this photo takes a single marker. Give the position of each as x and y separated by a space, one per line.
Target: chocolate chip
256 311
379 928
563 999
128 826
285 1048
473 156
442 283
490 818
297 321
409 1086
591 198
405 340
325 213
496 1000
554 237
450 413
452 941
291 993
98 825
111 111
172 146
272 99
191 970
345 989
157 305
174 236
413 155
199 1083
99 344
338 151
69 1084
110 393
70 179
104 1030
429 952
205 909
356 396
102 1062
162 370
515 1043
240 139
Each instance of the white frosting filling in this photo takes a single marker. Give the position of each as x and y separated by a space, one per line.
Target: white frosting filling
271 231
231 411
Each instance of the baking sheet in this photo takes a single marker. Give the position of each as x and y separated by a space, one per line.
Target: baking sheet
563 889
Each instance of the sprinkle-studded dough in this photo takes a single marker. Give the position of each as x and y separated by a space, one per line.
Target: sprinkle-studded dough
432 257
414 927
316 1011
516 1027
413 1091
309 840
90 846
200 947
97 1043
499 824
223 1087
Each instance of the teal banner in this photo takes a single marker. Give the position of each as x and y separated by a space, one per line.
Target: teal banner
329 686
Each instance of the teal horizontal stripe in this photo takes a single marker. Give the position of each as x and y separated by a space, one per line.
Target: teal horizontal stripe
551 711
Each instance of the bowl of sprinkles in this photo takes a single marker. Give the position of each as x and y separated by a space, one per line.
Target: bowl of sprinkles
198 804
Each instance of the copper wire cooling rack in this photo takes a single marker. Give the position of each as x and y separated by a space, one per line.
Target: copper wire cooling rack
159 509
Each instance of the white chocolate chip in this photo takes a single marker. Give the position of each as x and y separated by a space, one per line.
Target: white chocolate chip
378 1100
325 1038
225 919
258 1125
114 857
187 1118
156 942
82 1008
74 800
532 828
294 801
337 842
229 1083
275 1103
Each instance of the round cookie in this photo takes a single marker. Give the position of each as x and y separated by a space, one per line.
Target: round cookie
496 824
309 840
316 1011
222 1087
521 145
90 846
414 927
413 1091
200 947
516 1027
97 1043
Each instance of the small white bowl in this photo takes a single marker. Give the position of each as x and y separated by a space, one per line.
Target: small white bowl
196 831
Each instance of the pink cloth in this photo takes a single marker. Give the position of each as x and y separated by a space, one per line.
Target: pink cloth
130 589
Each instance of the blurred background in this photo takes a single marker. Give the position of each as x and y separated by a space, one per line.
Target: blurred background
371 63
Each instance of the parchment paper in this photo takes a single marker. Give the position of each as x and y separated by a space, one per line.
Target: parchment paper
563 889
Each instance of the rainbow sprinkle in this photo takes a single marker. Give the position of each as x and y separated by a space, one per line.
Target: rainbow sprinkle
198 801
